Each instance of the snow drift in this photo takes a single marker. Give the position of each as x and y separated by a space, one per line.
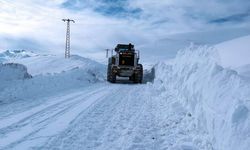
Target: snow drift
43 64
13 71
51 75
10 74
244 70
45 85
217 97
235 53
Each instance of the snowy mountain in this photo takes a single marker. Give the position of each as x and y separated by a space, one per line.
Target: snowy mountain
196 101
15 54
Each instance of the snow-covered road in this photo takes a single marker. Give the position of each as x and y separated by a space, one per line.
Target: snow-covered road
104 116
195 101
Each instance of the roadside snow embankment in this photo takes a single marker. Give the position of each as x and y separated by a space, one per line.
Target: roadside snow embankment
234 53
10 74
51 75
13 71
218 98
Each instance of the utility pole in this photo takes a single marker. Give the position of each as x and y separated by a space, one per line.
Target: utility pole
67 46
111 52
107 53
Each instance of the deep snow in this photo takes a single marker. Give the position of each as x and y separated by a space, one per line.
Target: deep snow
234 53
196 102
51 75
13 71
244 70
218 98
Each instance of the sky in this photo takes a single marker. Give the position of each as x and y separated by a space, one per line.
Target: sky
100 24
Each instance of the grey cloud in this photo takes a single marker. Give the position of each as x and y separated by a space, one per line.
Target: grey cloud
94 30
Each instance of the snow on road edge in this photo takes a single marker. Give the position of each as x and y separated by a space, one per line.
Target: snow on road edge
217 97
51 75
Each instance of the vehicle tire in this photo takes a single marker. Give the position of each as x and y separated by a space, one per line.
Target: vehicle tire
109 72
139 76
132 78
112 78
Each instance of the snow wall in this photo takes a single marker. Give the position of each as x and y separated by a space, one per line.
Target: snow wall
13 71
46 85
51 75
218 98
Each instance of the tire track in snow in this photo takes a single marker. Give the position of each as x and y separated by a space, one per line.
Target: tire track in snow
32 124
17 118
141 133
123 117
121 121
89 126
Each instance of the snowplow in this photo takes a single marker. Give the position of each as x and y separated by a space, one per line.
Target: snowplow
125 63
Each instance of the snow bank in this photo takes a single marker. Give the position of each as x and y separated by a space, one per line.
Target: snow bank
12 71
38 64
218 98
51 75
42 86
244 70
43 64
235 53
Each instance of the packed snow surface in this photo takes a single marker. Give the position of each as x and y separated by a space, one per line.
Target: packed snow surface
194 103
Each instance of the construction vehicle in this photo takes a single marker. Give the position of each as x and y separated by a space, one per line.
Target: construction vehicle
125 63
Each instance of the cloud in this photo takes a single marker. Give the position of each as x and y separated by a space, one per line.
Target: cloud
24 43
233 18
101 24
114 8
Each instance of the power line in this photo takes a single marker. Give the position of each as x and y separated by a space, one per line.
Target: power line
67 46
